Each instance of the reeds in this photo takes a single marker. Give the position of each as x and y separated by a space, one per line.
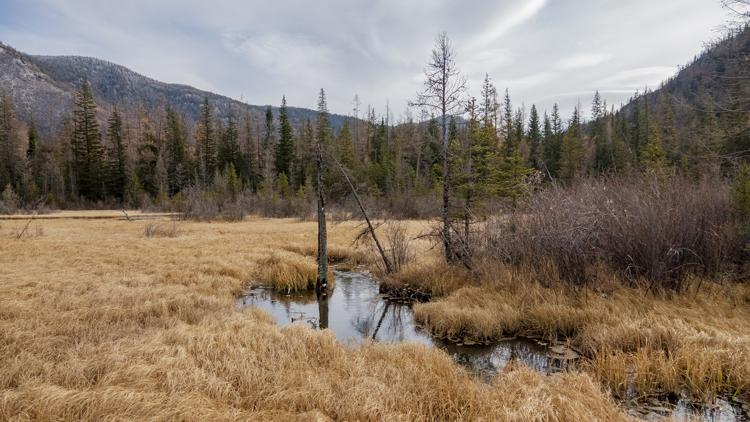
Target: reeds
99 323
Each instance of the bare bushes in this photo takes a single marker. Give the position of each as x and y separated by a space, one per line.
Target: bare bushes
168 230
206 205
660 229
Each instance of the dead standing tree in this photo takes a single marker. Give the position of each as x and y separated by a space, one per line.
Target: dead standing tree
443 91
322 135
370 228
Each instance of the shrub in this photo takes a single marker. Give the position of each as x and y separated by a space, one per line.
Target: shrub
161 230
656 228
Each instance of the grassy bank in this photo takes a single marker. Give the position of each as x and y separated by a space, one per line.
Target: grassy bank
98 321
696 342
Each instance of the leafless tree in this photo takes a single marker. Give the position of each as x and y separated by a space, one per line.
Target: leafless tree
443 91
323 134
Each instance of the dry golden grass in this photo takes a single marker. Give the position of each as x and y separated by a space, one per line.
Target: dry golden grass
698 342
98 322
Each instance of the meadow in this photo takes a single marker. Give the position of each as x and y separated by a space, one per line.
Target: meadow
133 320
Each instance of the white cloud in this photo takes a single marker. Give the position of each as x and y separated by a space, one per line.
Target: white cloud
507 21
581 61
638 78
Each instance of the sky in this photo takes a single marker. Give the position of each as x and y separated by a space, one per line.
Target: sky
543 51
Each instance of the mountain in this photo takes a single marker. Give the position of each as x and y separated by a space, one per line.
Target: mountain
704 110
43 88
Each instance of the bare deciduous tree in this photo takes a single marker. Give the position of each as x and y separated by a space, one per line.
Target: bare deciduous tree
443 91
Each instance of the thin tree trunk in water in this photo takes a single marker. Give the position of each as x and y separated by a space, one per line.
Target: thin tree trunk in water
322 284
388 267
446 232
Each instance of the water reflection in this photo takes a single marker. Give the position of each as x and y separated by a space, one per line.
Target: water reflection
355 311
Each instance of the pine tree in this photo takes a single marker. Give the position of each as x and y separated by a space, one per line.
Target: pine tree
32 176
268 146
345 147
489 105
117 157
553 143
33 147
571 149
653 156
535 139
176 153
206 144
285 147
508 128
9 160
86 146
602 150
229 150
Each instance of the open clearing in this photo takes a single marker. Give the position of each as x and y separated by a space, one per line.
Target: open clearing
98 321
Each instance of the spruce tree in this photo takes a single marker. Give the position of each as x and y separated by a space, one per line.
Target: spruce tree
268 146
229 150
206 144
571 149
535 139
9 143
176 153
285 147
86 146
117 158
507 126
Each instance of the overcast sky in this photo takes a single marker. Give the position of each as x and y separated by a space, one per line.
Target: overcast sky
544 51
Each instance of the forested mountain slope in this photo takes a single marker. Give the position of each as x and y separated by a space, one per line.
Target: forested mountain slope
43 87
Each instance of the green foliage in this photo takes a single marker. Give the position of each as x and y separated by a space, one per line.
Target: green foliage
742 194
117 162
285 147
206 144
86 147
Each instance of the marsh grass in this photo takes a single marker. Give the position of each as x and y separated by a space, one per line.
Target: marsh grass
162 229
696 342
151 333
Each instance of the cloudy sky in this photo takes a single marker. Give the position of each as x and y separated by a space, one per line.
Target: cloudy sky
544 51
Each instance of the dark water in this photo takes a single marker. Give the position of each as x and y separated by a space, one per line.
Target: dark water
355 311
683 411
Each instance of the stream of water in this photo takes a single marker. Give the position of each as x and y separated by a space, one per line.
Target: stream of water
356 311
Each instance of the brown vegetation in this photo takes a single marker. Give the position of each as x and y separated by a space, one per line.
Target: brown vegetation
661 229
98 322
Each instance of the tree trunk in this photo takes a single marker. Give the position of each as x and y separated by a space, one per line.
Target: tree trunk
322 283
446 231
388 267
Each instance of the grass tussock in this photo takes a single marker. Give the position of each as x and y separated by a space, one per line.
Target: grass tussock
698 342
287 273
167 230
151 333
337 254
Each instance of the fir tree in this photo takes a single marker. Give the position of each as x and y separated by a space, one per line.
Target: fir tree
285 147
9 171
571 149
206 144
176 153
507 129
117 157
535 139
86 146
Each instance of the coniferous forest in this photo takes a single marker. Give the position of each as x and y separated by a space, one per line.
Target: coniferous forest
168 253
694 124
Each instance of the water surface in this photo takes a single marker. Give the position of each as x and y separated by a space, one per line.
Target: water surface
356 311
